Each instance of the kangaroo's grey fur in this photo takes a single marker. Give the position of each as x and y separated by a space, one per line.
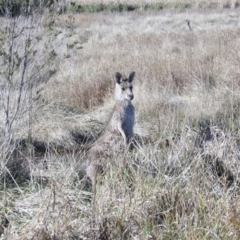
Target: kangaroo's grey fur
120 124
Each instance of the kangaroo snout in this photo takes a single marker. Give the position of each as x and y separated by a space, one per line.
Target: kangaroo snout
130 97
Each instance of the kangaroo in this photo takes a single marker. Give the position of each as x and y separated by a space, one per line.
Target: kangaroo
119 126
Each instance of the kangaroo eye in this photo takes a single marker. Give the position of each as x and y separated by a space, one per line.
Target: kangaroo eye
123 89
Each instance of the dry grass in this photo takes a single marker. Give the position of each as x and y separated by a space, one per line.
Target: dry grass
186 90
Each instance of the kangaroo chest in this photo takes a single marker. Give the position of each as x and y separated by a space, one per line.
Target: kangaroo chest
124 116
127 114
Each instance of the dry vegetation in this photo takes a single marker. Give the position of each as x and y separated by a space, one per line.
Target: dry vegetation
187 90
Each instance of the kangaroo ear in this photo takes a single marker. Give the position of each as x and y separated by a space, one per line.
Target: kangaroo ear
118 77
131 76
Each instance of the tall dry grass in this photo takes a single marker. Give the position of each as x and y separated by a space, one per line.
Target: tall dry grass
186 90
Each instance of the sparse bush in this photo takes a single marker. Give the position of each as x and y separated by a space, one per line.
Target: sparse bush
23 77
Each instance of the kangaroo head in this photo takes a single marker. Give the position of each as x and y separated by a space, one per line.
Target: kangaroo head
124 87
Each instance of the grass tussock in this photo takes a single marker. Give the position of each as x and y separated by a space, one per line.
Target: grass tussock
86 95
181 181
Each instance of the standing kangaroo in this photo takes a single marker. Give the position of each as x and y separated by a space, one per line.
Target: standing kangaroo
120 124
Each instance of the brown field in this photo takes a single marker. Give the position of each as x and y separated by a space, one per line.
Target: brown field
186 92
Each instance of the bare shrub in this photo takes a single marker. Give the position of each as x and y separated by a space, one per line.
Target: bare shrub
24 73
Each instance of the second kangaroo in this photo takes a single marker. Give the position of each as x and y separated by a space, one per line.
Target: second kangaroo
120 126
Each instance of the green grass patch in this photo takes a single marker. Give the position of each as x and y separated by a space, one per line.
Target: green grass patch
121 7
99 7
